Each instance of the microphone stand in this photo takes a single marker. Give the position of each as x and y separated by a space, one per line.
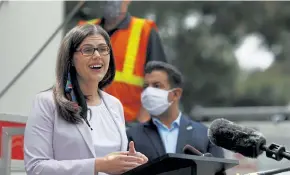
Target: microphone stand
270 172
276 152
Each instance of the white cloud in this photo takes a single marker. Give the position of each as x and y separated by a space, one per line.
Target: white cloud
192 20
252 54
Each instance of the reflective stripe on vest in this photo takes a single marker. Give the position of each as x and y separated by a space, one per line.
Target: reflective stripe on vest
93 21
127 75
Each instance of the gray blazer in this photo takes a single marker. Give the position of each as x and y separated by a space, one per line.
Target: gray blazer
53 146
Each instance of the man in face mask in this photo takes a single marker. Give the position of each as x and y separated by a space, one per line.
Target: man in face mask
168 130
135 41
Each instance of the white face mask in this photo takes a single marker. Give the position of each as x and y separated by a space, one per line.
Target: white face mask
155 100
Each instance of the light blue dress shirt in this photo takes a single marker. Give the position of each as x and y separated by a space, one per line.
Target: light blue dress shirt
169 136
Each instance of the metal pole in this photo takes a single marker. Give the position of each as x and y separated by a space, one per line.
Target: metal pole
6 148
69 17
6 152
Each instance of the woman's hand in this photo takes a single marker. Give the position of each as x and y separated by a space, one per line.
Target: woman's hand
133 152
117 163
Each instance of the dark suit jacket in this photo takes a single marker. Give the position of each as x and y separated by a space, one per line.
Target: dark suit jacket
148 141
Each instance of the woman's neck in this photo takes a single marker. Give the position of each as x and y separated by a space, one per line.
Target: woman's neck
90 90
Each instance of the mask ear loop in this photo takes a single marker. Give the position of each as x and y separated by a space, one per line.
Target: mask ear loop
171 90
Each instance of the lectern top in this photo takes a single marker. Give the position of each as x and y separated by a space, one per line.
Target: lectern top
171 162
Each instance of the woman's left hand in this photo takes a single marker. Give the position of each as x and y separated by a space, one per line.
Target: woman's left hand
133 152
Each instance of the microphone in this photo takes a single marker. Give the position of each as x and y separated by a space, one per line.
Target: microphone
243 140
188 149
270 172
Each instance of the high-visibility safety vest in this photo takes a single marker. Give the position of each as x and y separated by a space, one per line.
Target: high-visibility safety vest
130 50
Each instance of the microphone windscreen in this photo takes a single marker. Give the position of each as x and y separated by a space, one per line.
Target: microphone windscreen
188 149
233 137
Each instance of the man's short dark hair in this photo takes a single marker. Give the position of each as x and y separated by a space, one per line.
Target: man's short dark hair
174 75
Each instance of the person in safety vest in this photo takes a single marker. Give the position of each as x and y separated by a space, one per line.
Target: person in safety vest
135 41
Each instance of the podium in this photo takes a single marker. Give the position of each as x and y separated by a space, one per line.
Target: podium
183 164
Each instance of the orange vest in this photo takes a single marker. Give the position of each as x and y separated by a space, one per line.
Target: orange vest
130 49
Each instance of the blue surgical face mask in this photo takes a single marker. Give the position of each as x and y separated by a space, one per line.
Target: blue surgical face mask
112 9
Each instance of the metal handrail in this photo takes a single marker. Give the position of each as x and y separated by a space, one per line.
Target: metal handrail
239 113
6 147
13 118
32 60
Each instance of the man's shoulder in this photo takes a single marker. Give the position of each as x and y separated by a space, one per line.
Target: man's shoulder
145 19
195 124
134 128
148 22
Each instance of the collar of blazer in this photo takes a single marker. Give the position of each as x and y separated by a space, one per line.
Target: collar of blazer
184 136
184 122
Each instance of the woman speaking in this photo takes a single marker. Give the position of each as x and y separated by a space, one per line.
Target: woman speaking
76 128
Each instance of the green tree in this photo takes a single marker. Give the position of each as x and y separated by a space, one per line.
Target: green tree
204 53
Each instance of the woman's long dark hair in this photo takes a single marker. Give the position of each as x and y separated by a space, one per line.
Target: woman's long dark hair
65 107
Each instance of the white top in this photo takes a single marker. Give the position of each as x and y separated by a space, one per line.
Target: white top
105 134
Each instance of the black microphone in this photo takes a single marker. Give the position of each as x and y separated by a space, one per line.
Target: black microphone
270 172
188 149
236 138
243 140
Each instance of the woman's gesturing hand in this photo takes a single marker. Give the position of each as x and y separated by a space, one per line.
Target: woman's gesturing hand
133 152
117 163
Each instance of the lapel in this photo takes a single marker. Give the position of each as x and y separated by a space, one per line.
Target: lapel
118 118
151 131
185 134
85 132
